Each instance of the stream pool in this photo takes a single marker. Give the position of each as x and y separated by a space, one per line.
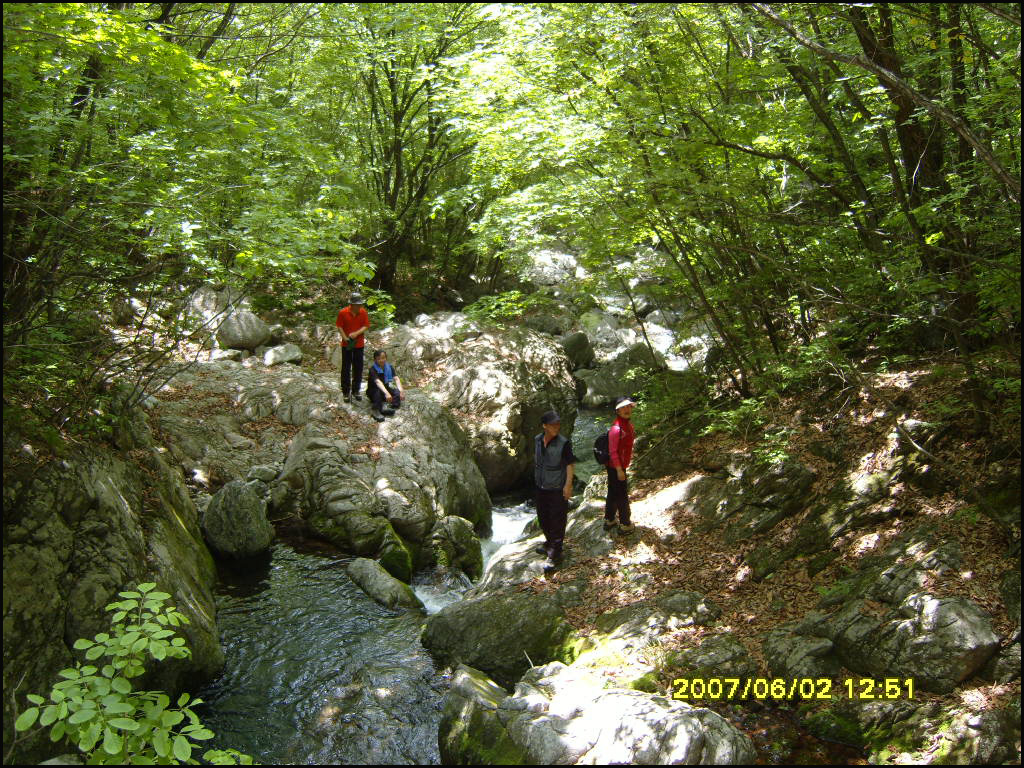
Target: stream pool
317 672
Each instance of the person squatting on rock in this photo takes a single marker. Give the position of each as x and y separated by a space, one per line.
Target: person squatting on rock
620 450
554 464
383 386
353 322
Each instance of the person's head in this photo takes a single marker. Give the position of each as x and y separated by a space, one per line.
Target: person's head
356 300
551 423
624 407
380 357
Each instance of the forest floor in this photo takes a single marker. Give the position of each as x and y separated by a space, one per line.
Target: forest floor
702 561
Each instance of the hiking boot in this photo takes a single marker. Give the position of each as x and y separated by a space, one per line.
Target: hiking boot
376 416
609 525
388 411
626 528
348 398
540 549
357 397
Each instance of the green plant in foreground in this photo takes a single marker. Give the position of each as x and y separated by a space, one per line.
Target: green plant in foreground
95 708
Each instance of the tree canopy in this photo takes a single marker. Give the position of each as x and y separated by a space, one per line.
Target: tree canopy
813 178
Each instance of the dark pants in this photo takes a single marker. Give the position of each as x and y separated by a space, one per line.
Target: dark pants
351 370
378 399
617 500
552 512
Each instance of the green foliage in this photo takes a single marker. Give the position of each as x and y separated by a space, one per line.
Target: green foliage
747 417
508 307
772 448
95 707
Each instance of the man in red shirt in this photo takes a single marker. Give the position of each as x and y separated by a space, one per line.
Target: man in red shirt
353 322
620 450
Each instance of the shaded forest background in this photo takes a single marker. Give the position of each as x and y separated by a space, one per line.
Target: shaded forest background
830 186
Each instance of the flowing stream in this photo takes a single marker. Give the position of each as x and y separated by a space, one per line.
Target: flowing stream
317 672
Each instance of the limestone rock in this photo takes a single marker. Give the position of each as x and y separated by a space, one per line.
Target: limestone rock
235 521
497 382
559 715
717 656
76 532
578 349
498 633
940 642
242 329
455 545
375 581
285 353
647 619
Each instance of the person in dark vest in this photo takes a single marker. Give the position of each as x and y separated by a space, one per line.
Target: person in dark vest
383 386
620 451
554 464
353 322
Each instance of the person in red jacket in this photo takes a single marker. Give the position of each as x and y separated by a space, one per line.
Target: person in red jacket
620 450
353 322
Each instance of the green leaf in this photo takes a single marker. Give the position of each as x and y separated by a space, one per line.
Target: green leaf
161 743
26 719
130 594
58 731
82 716
121 685
112 741
49 715
124 723
182 748
81 644
147 587
171 718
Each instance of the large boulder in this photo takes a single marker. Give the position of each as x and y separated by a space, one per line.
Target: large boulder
243 329
76 532
560 715
388 508
235 521
578 349
497 382
940 642
500 634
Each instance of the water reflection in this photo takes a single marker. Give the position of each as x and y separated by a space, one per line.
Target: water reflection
317 672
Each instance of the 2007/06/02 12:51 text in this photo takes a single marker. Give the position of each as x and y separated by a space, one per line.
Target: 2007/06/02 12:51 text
715 688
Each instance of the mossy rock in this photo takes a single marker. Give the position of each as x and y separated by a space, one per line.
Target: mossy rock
830 725
395 556
648 683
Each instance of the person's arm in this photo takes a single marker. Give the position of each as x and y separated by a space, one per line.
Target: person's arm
614 439
366 325
341 330
570 466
